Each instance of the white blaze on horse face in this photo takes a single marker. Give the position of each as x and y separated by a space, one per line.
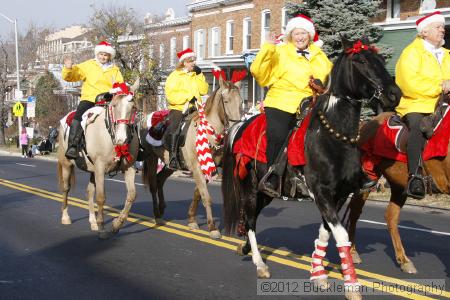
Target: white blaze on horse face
122 111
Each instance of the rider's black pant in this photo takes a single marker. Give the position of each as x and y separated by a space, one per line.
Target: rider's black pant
416 140
174 117
83 106
279 123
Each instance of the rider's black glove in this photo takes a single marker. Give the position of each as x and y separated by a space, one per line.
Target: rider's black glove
193 100
197 69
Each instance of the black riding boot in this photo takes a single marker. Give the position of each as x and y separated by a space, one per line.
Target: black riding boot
173 159
367 183
75 133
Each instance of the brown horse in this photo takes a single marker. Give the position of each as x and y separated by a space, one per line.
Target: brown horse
396 173
101 145
222 109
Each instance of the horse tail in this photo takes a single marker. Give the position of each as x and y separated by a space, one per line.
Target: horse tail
230 189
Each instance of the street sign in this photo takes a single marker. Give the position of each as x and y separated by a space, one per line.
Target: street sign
31 107
31 99
18 95
18 109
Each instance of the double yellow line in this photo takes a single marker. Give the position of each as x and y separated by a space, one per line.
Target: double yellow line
276 255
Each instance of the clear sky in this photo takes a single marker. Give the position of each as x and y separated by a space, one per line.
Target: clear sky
61 13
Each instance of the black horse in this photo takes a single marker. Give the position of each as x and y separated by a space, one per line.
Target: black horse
333 168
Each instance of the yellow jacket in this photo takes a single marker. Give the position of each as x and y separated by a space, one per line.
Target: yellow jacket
287 74
419 75
95 79
182 86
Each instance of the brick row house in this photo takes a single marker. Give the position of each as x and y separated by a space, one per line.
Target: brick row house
398 21
219 31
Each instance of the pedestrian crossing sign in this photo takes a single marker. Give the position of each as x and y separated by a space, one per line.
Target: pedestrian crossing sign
18 109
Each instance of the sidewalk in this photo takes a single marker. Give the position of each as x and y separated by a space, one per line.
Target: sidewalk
441 202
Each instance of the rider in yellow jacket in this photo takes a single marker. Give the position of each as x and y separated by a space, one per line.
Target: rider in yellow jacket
422 73
186 83
98 76
286 69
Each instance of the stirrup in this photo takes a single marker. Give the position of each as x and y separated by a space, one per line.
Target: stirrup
72 152
266 187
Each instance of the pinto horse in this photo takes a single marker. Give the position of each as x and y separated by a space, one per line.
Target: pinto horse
222 109
333 168
396 173
111 145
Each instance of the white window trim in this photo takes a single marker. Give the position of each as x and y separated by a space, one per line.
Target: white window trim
244 33
212 54
173 51
389 8
186 41
263 13
227 35
161 54
200 54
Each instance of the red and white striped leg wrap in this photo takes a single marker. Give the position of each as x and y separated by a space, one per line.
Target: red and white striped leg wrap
348 270
317 268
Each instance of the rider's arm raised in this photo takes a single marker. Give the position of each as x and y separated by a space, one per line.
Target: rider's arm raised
265 63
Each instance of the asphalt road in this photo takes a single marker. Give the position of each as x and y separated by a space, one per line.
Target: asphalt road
42 259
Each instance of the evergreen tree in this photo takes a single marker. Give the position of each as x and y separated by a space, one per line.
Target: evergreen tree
344 17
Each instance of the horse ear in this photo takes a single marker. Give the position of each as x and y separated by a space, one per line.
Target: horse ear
345 42
221 82
135 86
238 84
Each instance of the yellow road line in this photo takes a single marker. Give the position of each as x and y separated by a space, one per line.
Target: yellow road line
149 222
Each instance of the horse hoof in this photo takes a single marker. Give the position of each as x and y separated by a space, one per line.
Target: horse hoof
321 283
159 221
94 227
116 225
104 235
353 295
408 267
263 272
240 249
356 258
67 221
193 226
215 234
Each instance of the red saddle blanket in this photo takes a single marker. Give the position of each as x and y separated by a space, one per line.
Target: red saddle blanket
383 144
252 145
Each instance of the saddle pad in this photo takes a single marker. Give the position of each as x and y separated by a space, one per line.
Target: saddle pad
386 142
251 144
88 115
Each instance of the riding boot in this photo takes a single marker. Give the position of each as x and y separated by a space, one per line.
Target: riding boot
415 187
270 184
173 157
75 133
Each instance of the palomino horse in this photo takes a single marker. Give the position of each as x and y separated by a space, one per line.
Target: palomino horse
103 149
221 109
396 173
332 169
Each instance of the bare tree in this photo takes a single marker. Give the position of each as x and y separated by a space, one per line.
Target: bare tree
119 26
5 66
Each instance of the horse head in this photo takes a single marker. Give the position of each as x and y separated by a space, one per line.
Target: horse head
228 99
361 74
122 112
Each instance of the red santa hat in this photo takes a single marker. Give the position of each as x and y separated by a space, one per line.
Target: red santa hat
303 22
428 19
106 47
186 53
120 88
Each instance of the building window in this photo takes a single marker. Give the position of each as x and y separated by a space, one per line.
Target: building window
247 34
265 28
161 55
200 44
284 19
186 42
230 37
393 9
173 51
215 42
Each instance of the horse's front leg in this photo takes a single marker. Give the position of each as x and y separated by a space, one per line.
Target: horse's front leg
90 192
100 198
392 217
319 275
207 202
192 212
117 223
329 212
65 172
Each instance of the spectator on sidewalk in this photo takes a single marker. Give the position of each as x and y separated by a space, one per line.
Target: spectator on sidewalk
24 142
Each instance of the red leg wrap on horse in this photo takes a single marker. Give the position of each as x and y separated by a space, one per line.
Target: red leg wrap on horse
317 268
348 269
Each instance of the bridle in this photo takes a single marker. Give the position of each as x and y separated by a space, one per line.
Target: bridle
112 122
227 118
